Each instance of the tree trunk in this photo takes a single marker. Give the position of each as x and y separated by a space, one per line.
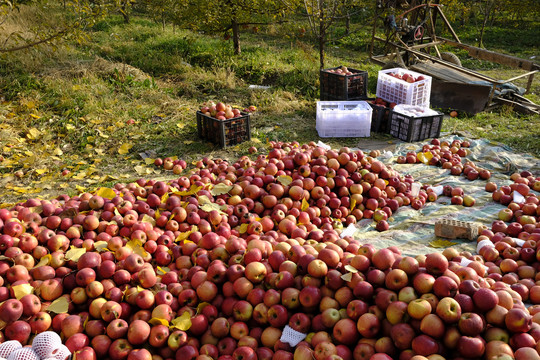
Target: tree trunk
321 44
481 37
486 15
125 11
236 37
348 23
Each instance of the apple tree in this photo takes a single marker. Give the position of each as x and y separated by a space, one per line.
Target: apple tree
224 16
323 15
24 25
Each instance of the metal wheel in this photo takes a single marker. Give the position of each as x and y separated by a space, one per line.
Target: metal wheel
451 58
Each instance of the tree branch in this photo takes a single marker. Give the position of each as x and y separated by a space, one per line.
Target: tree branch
35 43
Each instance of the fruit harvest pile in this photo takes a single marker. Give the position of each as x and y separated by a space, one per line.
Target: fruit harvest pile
218 262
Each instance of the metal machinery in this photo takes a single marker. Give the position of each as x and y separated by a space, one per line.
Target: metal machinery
404 35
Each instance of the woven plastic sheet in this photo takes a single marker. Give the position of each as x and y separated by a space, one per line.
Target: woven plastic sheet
413 230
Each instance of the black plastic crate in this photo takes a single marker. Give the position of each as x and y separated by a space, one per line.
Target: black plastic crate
379 118
343 87
224 132
410 129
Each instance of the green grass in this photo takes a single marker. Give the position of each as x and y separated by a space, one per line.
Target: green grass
80 99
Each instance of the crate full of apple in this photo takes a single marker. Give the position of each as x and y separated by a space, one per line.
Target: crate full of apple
380 114
224 125
342 83
402 86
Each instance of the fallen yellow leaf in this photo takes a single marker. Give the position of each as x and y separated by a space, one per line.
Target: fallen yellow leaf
124 148
182 322
441 243
106 193
21 290
59 306
73 254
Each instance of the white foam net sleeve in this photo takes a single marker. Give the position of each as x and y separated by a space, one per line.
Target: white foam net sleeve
291 336
62 353
6 348
46 344
25 353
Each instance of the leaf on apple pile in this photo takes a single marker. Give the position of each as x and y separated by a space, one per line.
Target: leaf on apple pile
183 236
213 206
59 306
220 189
201 306
347 277
182 322
162 270
3 258
351 269
192 190
73 254
136 246
21 290
353 204
164 199
441 243
36 209
242 228
106 193
158 321
101 246
305 205
45 260
203 200
284 180
148 219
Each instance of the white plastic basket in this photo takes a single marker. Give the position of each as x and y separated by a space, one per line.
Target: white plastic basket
392 89
343 118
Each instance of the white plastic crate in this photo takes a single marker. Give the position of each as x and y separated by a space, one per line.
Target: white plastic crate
392 89
343 118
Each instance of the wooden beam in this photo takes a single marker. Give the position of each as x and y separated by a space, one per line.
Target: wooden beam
421 46
519 77
493 56
439 10
446 63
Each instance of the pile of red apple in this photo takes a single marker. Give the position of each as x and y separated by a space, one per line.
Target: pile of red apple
342 70
456 195
406 77
222 111
515 236
381 102
214 264
448 156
